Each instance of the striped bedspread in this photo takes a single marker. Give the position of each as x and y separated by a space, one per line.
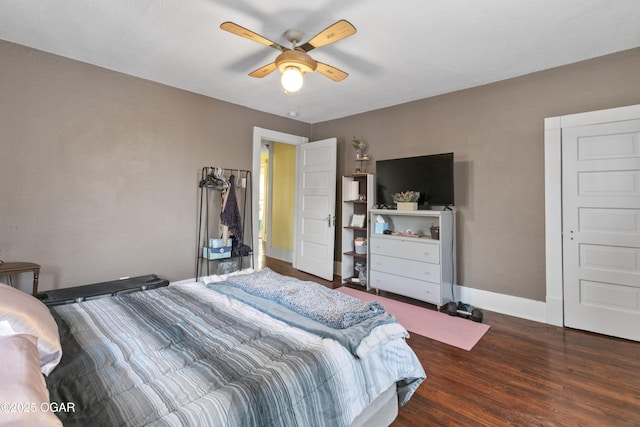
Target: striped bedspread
188 355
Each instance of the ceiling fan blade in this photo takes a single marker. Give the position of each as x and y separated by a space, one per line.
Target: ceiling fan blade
331 34
263 71
333 73
236 29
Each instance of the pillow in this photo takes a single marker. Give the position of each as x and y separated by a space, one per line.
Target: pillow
20 313
24 397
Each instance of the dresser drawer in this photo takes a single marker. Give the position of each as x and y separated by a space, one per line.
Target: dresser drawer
412 288
404 267
406 248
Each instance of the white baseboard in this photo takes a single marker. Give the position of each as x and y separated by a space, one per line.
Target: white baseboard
281 254
524 308
555 311
504 304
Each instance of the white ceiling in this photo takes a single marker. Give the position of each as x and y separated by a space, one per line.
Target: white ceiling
403 50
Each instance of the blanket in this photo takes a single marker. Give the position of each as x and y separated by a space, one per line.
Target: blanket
307 298
360 339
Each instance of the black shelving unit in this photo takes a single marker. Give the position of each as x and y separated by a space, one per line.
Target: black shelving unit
216 185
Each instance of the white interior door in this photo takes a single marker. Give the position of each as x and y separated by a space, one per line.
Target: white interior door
601 228
315 208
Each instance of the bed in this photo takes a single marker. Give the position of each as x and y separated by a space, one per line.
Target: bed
248 349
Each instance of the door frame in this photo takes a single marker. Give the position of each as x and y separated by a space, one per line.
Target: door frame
553 197
260 136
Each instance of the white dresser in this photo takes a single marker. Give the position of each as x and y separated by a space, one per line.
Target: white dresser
421 267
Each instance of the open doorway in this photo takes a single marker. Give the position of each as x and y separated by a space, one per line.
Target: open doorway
276 201
263 203
274 176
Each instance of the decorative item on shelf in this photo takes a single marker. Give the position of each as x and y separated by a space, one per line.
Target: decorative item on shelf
406 200
435 232
361 156
361 268
380 225
358 220
352 190
217 249
360 245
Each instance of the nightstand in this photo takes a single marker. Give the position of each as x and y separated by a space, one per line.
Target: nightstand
9 268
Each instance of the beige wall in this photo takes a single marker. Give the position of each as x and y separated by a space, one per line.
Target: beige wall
99 170
496 133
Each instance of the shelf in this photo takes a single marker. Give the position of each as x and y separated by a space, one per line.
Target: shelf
352 206
392 237
232 257
210 219
350 281
405 213
356 255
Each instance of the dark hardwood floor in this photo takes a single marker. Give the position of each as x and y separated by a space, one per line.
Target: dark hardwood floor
521 373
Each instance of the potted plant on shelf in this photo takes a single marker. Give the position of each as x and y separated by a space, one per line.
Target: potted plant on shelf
406 200
360 148
361 155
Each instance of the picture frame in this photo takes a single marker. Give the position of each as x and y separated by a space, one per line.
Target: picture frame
357 220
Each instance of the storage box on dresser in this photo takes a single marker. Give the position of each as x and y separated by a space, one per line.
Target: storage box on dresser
417 267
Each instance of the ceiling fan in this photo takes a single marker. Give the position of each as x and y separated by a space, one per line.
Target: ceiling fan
294 62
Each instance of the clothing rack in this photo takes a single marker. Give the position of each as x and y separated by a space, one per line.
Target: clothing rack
220 189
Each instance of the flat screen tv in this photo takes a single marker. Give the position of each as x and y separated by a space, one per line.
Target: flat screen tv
431 175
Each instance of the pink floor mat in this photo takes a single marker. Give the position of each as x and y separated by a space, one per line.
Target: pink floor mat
452 330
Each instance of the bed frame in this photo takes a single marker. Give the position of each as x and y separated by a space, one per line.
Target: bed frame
381 412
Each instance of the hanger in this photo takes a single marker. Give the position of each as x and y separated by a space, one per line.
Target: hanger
215 178
223 183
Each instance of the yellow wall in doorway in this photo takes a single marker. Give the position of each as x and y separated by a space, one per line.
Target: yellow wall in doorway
283 192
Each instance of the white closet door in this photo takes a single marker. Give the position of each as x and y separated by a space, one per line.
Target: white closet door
601 228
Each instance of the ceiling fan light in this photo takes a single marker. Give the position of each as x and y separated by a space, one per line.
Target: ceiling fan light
292 79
